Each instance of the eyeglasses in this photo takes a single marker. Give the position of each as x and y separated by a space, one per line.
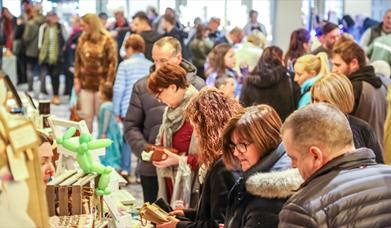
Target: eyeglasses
241 147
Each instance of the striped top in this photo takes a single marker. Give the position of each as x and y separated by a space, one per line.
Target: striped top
129 71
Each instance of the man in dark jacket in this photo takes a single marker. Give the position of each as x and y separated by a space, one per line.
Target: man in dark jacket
168 24
370 102
144 115
343 186
142 26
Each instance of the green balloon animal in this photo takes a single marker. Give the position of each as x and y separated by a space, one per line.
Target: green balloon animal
84 157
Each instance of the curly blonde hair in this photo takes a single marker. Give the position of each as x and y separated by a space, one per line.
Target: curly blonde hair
208 112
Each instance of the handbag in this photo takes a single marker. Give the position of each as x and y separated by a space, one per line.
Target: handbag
159 155
154 214
74 110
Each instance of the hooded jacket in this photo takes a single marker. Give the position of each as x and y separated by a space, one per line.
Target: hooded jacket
370 102
150 37
349 191
273 86
258 196
144 116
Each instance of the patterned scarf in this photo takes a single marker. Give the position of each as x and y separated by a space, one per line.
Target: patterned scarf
50 47
173 119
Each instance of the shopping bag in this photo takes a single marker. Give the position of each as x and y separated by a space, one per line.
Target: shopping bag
182 187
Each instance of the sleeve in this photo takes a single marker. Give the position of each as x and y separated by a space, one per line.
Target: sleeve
134 123
119 88
293 215
78 63
220 185
111 52
244 98
372 143
366 36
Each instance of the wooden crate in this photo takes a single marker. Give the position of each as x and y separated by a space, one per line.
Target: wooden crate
73 193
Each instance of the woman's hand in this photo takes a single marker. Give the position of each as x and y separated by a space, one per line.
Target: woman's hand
177 212
167 225
171 160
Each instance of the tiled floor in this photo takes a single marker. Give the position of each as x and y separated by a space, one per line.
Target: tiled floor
62 111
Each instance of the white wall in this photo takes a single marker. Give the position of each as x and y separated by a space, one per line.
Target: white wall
287 18
355 7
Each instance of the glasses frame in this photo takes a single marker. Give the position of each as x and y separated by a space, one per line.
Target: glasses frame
240 147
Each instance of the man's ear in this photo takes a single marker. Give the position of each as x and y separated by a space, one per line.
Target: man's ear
318 156
354 65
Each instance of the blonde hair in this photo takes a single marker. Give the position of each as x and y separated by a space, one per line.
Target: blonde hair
318 63
257 38
95 26
335 89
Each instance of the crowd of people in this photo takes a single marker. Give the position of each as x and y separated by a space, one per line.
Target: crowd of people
251 136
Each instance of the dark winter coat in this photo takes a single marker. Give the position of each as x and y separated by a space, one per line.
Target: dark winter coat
370 103
211 207
272 86
259 194
150 37
349 191
364 136
144 116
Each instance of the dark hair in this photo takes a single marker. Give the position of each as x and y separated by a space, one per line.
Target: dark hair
216 57
136 42
107 90
142 16
44 138
169 19
251 12
201 28
328 27
296 45
165 76
222 80
271 57
348 49
103 15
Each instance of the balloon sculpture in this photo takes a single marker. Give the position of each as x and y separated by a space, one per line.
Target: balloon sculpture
84 157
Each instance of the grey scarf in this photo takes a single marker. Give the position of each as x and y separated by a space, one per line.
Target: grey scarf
173 119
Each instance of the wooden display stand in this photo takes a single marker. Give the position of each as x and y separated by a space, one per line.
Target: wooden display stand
73 193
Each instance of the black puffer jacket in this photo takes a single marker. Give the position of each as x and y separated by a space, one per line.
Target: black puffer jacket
258 196
370 103
272 86
349 191
211 207
364 136
144 116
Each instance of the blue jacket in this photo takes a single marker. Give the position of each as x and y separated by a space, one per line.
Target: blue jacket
129 71
305 98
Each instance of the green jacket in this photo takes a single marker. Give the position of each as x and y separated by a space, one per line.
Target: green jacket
380 49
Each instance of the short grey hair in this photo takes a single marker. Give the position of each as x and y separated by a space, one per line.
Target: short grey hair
320 124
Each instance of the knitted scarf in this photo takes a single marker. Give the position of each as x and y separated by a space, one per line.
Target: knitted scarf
50 46
173 119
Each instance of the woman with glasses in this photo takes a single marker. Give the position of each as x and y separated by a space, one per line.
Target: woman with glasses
170 86
208 113
252 145
337 89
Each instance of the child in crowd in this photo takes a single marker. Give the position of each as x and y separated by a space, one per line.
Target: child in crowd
109 128
226 84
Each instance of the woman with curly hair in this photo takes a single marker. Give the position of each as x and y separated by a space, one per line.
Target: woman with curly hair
208 112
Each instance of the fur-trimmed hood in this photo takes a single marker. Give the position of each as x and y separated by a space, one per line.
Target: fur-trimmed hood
277 184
